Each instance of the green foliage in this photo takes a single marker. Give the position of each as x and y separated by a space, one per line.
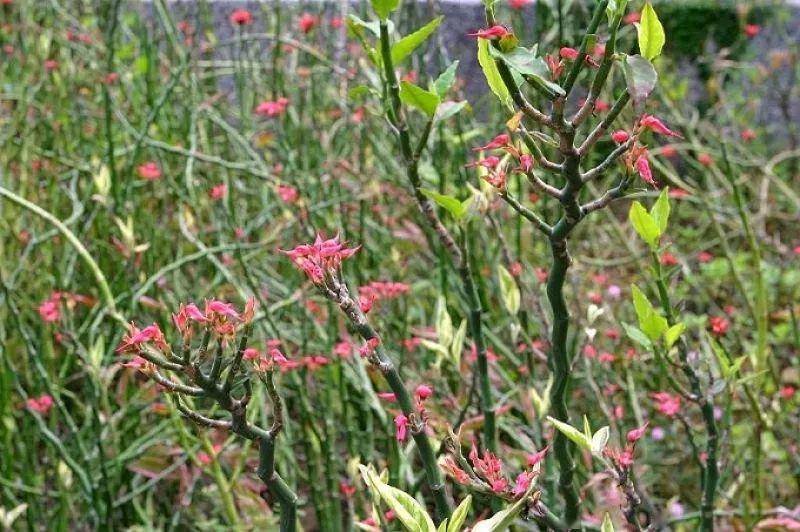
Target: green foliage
491 73
403 48
650 33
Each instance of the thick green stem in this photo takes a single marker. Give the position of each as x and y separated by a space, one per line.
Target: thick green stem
560 366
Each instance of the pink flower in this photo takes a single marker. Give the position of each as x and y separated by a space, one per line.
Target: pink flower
271 109
787 392
49 310
500 141
495 32
537 457
635 435
218 192
656 125
643 168
216 308
40 405
490 163
668 259
568 53
518 4
423 391
387 396
669 151
751 30
666 403
515 268
241 17
320 257
343 350
632 18
705 159
401 427
288 194
251 353
522 483
748 135
50 65
135 338
307 22
704 257
620 136
149 171
448 465
719 325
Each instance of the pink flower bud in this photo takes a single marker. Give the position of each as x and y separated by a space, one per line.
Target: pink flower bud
635 435
423 391
568 53
620 136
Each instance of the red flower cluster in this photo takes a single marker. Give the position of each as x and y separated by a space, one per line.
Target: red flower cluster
323 257
271 109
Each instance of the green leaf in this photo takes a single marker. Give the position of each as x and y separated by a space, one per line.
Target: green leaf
509 290
445 81
383 8
360 91
425 101
600 440
526 62
651 33
407 509
636 334
644 224
573 434
456 522
492 75
607 525
660 211
501 521
615 8
448 109
405 46
444 324
672 334
640 77
456 208
457 346
436 347
650 322
357 26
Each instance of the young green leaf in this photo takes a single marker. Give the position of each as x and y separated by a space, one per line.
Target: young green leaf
660 210
458 343
640 77
493 78
460 514
526 62
501 521
383 8
573 434
444 324
651 33
600 440
650 322
509 290
425 101
448 109
615 8
408 510
644 224
607 525
636 334
405 46
456 208
445 81
672 334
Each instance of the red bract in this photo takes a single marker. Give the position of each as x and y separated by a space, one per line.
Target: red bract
751 30
218 192
320 258
40 405
643 168
620 136
635 435
490 468
518 4
423 391
49 310
272 109
287 194
537 457
132 341
495 32
568 53
656 125
401 427
489 162
307 22
241 17
666 403
523 483
149 171
448 465
719 325
500 141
